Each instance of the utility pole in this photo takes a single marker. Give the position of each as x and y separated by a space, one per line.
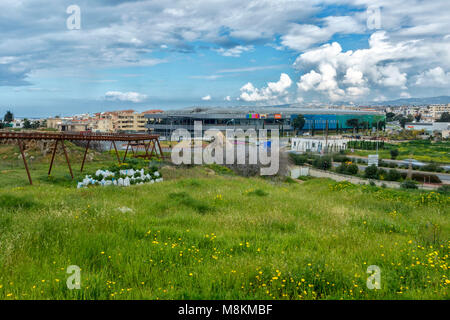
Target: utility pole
377 135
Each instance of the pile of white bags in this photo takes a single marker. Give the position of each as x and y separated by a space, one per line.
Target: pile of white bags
126 178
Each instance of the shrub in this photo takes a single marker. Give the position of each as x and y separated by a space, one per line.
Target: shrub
445 189
371 172
394 153
409 184
299 159
382 174
382 163
323 163
432 167
352 169
340 158
342 168
393 175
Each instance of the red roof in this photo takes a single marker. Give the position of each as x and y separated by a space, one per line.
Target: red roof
153 111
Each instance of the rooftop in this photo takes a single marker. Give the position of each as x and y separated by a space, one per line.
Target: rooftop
242 111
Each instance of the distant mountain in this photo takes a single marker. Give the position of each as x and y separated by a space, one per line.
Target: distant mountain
414 101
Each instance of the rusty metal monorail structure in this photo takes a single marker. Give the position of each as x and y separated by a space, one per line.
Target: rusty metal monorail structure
146 141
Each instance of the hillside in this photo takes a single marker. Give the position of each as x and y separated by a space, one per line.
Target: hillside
415 101
205 235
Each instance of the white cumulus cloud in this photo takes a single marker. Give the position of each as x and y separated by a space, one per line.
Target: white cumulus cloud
235 51
433 77
302 36
272 92
383 68
125 96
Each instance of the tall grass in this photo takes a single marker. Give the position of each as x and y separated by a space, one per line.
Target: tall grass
203 236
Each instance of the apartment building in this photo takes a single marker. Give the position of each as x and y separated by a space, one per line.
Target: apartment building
437 110
122 121
69 124
110 121
428 114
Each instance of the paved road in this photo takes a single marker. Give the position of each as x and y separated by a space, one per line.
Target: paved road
444 177
401 162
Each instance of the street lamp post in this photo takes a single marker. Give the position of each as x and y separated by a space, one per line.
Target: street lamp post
378 124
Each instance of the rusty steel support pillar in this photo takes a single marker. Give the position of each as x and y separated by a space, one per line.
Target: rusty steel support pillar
146 156
24 160
160 149
53 157
126 152
85 153
67 158
117 152
153 149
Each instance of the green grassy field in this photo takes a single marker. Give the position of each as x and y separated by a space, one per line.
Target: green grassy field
204 235
422 150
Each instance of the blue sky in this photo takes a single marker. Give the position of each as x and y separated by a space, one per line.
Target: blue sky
173 54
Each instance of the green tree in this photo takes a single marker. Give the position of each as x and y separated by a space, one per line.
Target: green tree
26 124
379 125
418 117
394 153
36 125
323 163
393 175
409 184
352 169
390 116
298 123
9 117
371 172
445 117
353 123
402 120
364 125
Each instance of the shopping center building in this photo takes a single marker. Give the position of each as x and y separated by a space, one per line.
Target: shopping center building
259 118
